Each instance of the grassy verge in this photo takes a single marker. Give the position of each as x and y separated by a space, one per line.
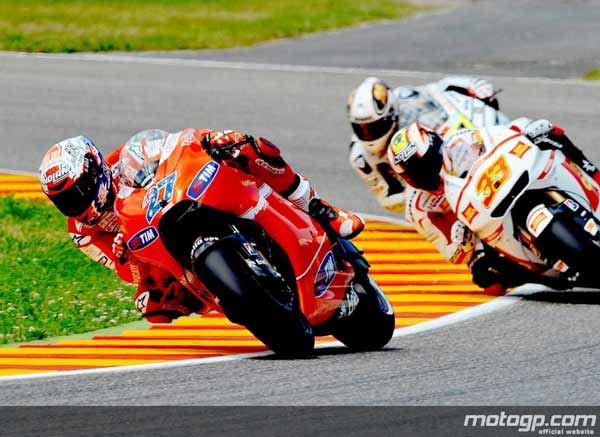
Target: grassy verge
592 74
47 286
100 25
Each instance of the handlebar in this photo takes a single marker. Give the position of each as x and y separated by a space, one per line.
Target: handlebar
224 152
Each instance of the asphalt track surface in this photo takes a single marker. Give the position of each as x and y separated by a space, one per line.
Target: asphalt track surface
542 350
542 38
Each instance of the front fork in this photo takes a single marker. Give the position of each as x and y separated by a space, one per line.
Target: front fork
254 259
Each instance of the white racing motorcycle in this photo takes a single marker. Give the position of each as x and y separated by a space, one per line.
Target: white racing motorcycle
533 206
459 112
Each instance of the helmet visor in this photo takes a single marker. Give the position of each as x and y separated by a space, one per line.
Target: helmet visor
424 172
373 130
423 180
78 197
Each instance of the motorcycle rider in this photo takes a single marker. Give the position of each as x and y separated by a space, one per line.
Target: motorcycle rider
376 112
83 184
417 155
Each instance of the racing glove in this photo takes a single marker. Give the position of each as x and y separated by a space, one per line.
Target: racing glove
496 273
480 89
225 145
492 271
119 248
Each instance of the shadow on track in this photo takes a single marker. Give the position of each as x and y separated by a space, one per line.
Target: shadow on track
591 297
324 352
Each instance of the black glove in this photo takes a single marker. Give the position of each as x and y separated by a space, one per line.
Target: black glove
484 270
489 268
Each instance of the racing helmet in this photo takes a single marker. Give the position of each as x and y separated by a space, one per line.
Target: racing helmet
415 153
75 177
372 111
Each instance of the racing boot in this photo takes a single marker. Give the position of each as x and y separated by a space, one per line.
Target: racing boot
343 223
166 304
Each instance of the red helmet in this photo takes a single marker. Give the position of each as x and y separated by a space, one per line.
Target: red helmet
415 154
77 180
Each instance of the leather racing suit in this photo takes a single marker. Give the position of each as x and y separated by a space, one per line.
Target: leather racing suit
159 297
435 112
490 270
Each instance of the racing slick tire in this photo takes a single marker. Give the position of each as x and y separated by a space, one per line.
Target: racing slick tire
371 325
247 296
565 240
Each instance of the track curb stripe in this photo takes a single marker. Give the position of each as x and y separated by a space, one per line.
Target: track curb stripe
423 288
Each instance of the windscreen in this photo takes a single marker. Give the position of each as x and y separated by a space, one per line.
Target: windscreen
139 158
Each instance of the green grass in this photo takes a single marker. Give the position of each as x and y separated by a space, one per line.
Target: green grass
592 74
47 286
101 25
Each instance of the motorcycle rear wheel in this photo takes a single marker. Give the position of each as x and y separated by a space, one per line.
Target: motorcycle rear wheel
248 299
565 240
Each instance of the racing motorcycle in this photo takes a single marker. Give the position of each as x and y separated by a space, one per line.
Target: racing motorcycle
450 111
244 250
533 206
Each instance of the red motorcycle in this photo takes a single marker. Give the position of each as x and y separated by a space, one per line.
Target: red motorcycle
244 250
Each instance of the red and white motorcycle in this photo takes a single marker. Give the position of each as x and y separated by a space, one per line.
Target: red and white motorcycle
533 206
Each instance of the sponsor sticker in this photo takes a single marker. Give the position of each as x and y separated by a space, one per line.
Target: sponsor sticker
81 240
202 180
141 303
325 274
561 266
591 227
538 219
571 204
271 169
469 213
402 148
520 149
142 239
56 174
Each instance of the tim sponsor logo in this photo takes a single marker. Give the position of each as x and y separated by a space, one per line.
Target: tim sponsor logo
202 180
142 239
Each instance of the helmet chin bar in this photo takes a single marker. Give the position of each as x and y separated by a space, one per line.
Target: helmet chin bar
378 147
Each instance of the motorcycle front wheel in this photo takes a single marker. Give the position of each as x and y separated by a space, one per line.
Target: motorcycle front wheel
248 297
371 324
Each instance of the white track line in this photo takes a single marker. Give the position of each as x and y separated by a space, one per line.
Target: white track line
286 68
459 316
18 172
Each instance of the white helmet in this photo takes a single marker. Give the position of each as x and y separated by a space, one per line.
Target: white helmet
77 179
372 111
